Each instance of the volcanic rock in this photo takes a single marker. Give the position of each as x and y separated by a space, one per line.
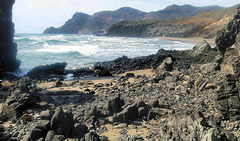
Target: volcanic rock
62 122
44 71
8 49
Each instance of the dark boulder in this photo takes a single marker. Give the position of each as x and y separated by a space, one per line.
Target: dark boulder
62 122
40 72
130 75
39 131
82 72
91 136
101 70
113 106
131 112
80 131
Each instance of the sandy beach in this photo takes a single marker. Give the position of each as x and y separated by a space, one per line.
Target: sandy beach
190 40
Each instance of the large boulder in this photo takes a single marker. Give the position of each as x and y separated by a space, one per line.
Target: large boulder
8 49
40 72
113 106
201 48
62 122
101 70
167 65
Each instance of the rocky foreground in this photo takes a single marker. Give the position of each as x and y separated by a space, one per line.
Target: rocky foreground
191 95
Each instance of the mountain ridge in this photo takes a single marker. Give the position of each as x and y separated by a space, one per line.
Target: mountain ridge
202 25
100 22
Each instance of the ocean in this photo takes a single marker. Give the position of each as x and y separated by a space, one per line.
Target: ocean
85 50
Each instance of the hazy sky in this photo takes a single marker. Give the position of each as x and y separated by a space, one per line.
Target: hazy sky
33 16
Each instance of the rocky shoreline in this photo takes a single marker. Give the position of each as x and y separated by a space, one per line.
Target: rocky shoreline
190 95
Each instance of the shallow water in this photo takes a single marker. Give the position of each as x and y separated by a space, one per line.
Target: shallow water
85 50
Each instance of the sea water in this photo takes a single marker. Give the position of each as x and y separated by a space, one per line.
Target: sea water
85 50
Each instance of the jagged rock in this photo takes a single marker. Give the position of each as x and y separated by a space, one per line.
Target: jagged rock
227 96
200 49
8 49
62 123
21 96
101 70
131 112
44 71
91 136
114 105
91 116
167 65
50 135
227 36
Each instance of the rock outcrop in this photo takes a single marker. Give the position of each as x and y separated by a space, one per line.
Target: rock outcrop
8 49
40 72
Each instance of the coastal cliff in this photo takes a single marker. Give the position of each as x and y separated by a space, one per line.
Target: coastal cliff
8 49
100 22
202 25
72 26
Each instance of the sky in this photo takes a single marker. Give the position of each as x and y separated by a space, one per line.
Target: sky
34 16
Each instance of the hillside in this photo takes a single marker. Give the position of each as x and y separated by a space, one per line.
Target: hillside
176 11
100 22
202 25
72 26
96 24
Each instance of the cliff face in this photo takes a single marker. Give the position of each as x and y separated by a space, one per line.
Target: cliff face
202 25
72 26
100 22
97 24
8 49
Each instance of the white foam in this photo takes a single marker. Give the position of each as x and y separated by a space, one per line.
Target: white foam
86 50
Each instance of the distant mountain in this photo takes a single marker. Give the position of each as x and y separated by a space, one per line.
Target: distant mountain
176 11
72 26
202 25
96 24
100 22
